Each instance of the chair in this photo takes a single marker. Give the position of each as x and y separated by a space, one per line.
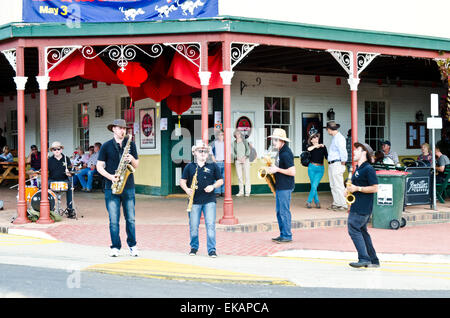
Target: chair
441 188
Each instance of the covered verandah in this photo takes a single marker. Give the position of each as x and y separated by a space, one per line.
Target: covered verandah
351 56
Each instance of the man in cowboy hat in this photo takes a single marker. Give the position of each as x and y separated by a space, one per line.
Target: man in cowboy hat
337 157
58 170
284 171
209 178
364 185
107 163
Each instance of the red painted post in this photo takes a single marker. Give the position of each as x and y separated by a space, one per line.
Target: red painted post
43 80
21 80
228 217
204 81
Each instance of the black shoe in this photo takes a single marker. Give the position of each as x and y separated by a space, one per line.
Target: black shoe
193 252
212 254
360 264
276 238
283 240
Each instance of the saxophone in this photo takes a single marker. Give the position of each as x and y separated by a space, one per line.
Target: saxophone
193 187
123 170
264 174
350 198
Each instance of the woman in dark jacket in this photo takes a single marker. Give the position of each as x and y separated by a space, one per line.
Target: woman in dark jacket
315 167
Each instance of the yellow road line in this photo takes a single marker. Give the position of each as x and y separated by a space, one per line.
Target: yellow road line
170 270
18 240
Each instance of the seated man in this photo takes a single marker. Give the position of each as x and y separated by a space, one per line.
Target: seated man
441 162
58 170
90 170
386 147
34 159
6 155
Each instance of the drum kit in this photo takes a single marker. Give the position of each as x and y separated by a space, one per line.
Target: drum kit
33 194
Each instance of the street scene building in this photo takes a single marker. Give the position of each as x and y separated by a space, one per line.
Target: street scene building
176 71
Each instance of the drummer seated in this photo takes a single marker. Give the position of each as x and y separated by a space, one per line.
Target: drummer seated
58 171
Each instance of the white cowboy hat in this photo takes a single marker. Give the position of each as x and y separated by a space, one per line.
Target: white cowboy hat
200 144
280 134
56 144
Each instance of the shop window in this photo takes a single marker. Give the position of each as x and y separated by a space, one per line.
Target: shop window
416 135
83 125
127 112
375 122
277 114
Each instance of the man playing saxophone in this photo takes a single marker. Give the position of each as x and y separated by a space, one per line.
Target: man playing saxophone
208 178
110 155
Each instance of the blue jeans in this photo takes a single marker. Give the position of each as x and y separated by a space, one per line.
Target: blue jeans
357 229
113 202
221 165
315 174
283 203
90 178
209 211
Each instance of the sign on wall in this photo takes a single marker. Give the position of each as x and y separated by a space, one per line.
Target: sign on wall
78 11
147 128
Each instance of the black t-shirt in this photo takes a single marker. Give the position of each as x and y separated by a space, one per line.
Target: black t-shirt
110 153
319 154
57 168
35 162
364 176
285 161
206 175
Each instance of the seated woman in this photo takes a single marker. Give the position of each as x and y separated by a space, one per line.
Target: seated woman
6 155
315 168
425 157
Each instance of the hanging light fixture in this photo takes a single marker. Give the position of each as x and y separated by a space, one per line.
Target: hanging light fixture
99 111
330 114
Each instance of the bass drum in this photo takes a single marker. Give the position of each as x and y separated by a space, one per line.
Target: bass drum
36 200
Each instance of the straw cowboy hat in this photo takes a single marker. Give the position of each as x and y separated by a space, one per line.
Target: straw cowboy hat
200 144
332 125
117 122
280 134
56 144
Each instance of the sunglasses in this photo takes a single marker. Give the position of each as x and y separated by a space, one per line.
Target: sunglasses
202 151
55 149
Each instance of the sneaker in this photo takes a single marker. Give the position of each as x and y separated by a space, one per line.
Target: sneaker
212 254
114 252
247 195
360 264
193 252
308 205
342 208
134 251
239 194
333 207
317 205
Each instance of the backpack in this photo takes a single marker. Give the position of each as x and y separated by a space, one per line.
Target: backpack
305 158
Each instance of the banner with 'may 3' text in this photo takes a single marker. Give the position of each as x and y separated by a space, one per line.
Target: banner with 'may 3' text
62 11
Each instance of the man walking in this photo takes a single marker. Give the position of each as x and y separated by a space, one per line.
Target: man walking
284 171
337 157
208 179
364 185
108 161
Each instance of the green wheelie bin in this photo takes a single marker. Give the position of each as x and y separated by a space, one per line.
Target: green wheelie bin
389 200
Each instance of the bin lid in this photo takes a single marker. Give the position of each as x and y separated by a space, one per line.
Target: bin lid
392 173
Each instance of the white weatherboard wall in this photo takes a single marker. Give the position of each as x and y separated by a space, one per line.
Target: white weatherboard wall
418 17
62 115
308 96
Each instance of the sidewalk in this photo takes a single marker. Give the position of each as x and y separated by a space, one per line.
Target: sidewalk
162 225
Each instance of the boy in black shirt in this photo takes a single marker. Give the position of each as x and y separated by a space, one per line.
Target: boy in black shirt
209 178
364 185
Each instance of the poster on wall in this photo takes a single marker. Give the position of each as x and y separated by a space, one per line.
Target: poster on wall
244 125
147 128
309 121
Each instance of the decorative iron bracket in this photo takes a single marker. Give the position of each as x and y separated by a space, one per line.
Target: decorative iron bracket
345 59
238 51
55 55
364 59
11 57
190 50
122 54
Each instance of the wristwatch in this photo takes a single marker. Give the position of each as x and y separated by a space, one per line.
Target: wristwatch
360 189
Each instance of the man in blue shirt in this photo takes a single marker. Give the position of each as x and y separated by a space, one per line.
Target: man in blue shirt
337 157
284 171
364 185
209 178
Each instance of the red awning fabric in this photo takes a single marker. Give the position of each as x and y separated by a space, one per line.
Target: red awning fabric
183 70
77 65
